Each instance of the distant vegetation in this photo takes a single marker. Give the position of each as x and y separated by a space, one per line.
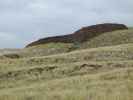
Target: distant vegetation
81 35
111 38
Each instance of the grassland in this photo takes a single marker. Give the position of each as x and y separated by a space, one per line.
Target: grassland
106 39
114 85
111 38
103 71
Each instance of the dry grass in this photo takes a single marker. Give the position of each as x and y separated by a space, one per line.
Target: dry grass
112 85
110 38
106 39
102 73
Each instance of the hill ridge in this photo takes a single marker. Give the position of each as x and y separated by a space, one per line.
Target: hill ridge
81 35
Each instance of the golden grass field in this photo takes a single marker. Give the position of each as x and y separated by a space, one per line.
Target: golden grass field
100 69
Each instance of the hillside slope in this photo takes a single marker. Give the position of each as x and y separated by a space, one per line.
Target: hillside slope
113 85
97 73
100 68
111 38
92 41
105 39
81 35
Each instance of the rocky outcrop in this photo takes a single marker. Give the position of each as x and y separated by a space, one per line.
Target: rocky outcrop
81 35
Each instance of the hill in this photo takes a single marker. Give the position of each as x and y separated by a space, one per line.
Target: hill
81 35
99 68
87 37
105 39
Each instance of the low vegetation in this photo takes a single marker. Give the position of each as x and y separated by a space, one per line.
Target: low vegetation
65 71
105 39
111 38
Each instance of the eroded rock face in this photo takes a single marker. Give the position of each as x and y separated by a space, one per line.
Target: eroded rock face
81 35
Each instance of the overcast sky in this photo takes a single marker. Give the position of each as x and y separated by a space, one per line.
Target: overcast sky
22 21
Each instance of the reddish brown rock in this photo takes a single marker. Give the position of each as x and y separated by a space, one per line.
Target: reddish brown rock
81 35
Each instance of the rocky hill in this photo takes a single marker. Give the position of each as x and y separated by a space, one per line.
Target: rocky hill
81 35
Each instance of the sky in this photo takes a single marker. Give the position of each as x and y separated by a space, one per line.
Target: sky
24 21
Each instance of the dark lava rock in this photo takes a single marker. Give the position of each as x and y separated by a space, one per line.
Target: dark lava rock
81 35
